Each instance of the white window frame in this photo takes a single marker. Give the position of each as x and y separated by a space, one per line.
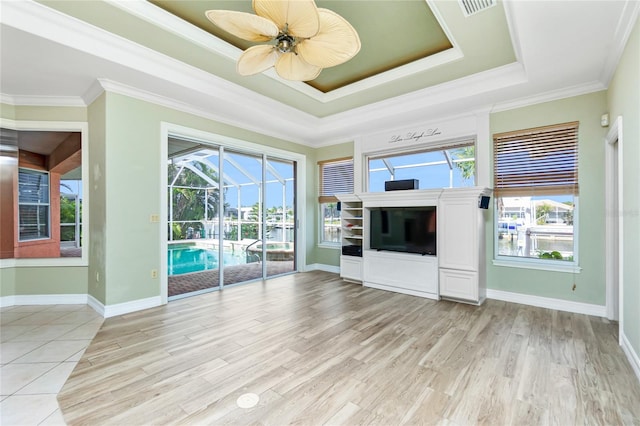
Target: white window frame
38 204
321 202
442 146
321 241
537 263
59 126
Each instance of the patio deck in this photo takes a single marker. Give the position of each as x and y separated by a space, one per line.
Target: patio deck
187 283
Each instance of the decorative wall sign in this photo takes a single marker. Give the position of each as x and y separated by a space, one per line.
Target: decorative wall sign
415 136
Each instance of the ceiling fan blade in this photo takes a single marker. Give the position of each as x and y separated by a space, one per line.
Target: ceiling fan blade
292 67
299 16
244 25
336 42
256 59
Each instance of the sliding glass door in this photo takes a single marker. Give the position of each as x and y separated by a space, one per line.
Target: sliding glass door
280 219
231 217
193 193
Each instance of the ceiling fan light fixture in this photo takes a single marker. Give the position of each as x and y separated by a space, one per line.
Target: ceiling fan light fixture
285 43
307 39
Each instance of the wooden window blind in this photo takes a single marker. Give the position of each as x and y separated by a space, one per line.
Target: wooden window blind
539 161
336 177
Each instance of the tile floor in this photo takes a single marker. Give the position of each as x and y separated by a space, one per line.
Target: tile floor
39 347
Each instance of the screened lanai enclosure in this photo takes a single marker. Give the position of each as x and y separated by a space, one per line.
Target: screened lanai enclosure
231 216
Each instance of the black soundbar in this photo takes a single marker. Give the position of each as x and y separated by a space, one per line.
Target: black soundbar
399 185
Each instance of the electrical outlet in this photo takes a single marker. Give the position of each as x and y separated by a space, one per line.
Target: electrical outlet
154 218
154 273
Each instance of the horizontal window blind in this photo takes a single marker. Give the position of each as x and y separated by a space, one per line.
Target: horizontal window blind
33 204
336 177
539 161
33 186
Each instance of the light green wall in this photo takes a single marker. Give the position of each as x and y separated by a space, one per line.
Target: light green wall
590 282
36 113
7 111
97 274
7 282
131 178
323 255
624 100
53 279
39 113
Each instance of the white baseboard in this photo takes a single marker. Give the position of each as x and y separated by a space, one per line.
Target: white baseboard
109 311
43 299
7 301
631 354
547 302
323 267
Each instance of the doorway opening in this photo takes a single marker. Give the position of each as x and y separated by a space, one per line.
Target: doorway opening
614 208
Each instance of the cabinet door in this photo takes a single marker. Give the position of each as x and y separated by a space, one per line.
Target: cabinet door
351 268
458 234
461 285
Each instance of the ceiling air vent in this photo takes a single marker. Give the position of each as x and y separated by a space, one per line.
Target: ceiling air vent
471 7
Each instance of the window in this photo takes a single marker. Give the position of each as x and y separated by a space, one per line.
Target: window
449 166
536 191
336 177
33 204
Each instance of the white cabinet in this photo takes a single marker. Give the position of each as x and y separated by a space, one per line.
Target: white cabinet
351 268
407 273
461 285
461 244
457 273
351 231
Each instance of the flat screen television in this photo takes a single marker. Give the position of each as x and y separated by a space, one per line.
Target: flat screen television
404 229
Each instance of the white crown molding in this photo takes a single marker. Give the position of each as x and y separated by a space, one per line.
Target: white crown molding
414 67
93 92
133 92
515 36
409 108
627 21
225 99
548 303
211 97
171 23
553 95
55 101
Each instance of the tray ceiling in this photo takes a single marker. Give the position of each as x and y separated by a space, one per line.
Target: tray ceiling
392 34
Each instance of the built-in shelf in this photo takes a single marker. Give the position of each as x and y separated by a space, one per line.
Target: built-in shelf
351 228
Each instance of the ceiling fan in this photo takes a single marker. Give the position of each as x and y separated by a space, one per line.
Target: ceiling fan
307 38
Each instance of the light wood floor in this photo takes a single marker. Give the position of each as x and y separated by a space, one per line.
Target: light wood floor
318 351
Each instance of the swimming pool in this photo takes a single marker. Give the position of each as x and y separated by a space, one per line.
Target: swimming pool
184 259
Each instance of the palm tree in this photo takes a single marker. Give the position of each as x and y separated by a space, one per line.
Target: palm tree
190 194
467 168
542 213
